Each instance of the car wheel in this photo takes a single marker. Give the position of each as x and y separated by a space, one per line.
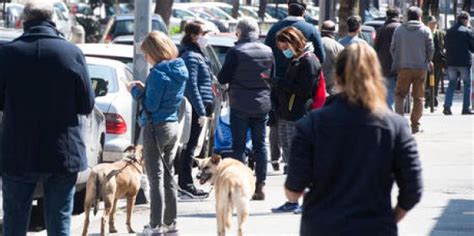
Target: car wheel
79 199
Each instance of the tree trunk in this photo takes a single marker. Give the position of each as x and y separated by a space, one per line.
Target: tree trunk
346 9
235 9
261 9
163 8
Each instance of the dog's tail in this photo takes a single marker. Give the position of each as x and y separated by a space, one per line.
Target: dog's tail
96 195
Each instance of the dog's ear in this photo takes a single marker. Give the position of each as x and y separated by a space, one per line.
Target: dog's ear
198 162
215 159
130 149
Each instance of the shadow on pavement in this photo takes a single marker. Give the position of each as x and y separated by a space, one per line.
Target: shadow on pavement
213 215
457 219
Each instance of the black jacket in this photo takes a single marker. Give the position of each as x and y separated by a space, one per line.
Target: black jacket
459 46
293 91
242 69
44 86
349 160
382 46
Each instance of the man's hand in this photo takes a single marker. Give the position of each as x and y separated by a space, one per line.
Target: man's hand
202 120
399 214
135 83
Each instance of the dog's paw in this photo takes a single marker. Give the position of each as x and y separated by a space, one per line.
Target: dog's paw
113 230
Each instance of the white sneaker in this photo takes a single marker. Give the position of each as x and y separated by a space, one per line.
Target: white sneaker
148 230
169 229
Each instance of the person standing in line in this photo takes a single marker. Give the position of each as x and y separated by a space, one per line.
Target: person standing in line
160 98
412 50
354 24
294 91
332 48
296 11
42 108
199 93
439 59
382 47
249 96
349 154
459 48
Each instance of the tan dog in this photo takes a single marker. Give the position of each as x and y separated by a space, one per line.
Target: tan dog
234 186
110 182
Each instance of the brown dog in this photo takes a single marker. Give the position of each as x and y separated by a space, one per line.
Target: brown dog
110 182
234 186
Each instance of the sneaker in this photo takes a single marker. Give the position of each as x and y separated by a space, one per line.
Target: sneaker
447 111
148 230
192 192
287 207
298 210
170 229
467 112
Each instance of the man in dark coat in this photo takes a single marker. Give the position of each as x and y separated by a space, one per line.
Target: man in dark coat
249 96
459 47
382 47
44 87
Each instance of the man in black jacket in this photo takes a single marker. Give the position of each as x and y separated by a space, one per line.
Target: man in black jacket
44 87
382 47
459 47
244 66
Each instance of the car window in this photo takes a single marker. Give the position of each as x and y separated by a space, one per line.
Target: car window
127 27
221 52
104 72
181 14
213 58
159 25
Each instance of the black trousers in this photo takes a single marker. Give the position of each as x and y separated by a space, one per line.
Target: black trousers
185 177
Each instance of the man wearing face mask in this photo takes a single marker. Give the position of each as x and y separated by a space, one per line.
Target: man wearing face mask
199 93
243 69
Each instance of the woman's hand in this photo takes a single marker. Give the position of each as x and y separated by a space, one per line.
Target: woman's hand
135 83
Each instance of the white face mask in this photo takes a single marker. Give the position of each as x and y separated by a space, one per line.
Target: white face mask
202 41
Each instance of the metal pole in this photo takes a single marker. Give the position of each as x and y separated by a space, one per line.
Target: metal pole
446 8
4 11
142 28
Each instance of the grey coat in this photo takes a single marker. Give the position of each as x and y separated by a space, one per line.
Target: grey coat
332 48
412 46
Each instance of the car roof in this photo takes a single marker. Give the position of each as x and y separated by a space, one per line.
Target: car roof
108 50
131 17
105 62
219 39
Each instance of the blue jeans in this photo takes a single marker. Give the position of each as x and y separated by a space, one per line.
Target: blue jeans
391 84
465 74
58 198
239 124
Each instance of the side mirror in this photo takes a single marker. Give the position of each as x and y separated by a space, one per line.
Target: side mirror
100 87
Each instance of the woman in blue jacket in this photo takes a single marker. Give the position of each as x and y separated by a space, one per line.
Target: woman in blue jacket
160 98
199 93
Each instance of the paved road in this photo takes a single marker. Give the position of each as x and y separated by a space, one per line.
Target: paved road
447 207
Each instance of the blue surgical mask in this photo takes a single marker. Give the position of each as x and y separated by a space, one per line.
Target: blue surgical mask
288 53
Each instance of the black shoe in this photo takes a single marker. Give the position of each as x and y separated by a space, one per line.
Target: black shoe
467 112
285 170
192 192
447 111
276 166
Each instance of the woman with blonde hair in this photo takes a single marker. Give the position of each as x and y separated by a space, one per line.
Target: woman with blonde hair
347 155
160 98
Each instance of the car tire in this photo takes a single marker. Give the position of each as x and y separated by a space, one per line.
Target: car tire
79 198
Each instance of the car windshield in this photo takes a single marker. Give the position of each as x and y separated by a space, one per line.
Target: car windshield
104 72
248 12
127 27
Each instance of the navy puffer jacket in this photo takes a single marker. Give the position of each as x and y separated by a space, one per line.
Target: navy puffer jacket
198 87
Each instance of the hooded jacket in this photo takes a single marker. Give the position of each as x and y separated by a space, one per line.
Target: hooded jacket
412 46
44 87
163 94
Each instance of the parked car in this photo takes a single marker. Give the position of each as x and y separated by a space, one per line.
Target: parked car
125 25
368 33
282 12
8 34
206 10
375 23
180 14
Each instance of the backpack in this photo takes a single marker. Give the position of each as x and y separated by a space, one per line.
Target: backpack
319 91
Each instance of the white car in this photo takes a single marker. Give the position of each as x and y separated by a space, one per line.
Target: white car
178 14
216 13
118 106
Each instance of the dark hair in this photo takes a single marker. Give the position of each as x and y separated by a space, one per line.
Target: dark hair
414 13
353 23
463 16
296 7
392 12
191 28
294 37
